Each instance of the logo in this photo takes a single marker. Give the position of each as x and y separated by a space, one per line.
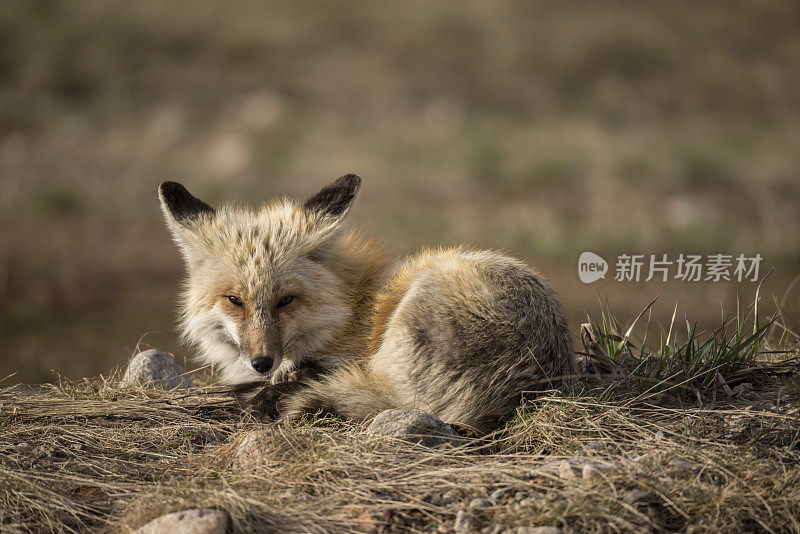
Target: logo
591 267
686 267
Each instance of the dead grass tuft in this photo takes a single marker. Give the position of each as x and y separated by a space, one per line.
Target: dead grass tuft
612 457
93 455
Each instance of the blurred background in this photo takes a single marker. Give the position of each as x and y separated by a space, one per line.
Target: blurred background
541 128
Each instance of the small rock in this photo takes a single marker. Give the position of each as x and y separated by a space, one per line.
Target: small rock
527 502
538 530
442 529
449 496
156 368
561 468
440 500
22 446
497 495
679 466
639 496
433 498
595 470
187 522
463 521
480 502
413 426
566 471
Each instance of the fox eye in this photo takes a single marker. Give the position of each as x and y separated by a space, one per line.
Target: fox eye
285 300
235 300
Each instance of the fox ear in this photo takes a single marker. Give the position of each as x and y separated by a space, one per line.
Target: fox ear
182 211
331 206
334 200
180 206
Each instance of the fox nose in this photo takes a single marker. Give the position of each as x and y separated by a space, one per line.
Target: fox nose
261 364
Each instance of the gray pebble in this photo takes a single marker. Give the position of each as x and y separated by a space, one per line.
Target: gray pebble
464 521
449 496
480 502
442 499
155 368
498 494
435 499
187 522
566 471
413 426
595 470
639 496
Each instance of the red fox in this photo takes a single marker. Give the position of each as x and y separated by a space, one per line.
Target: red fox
455 332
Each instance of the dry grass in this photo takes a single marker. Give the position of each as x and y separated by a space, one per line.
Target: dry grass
94 455
725 458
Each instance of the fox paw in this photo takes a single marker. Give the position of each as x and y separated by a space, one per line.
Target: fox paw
266 403
282 374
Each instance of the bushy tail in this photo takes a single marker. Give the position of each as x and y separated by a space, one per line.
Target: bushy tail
352 393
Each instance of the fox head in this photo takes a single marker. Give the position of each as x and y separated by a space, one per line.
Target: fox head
261 291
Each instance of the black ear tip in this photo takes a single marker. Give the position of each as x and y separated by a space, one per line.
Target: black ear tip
181 203
334 199
351 180
348 184
169 189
